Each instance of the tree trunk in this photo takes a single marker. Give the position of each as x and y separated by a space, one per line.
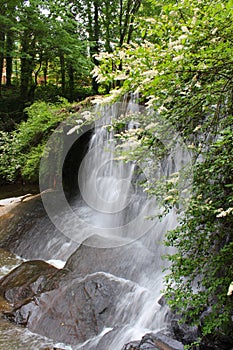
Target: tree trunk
9 60
45 71
96 41
31 94
63 73
71 83
135 9
27 58
2 39
126 24
24 78
107 28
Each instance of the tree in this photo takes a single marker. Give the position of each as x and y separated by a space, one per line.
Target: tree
106 24
6 39
36 33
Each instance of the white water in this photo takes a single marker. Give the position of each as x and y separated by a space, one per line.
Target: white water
113 207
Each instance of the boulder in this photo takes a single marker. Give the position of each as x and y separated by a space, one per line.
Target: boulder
25 281
155 341
76 311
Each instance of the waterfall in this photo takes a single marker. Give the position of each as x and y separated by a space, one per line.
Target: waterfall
115 247
112 211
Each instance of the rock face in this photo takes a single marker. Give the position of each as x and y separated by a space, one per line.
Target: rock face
87 259
27 231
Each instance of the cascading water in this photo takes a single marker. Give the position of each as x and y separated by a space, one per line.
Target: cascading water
116 207
118 243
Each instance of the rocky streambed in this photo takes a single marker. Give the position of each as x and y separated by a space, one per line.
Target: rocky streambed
94 298
102 298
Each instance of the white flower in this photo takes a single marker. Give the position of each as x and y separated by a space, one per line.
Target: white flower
224 213
173 43
121 54
198 84
173 190
86 115
162 109
71 131
101 78
121 77
151 126
214 31
147 80
178 47
178 58
182 37
151 72
120 158
95 71
184 29
150 20
168 99
168 198
197 128
230 289
192 146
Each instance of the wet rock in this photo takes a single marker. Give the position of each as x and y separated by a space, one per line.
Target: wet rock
52 348
134 345
25 281
184 333
87 259
4 305
76 311
157 341
162 301
164 342
27 231
218 341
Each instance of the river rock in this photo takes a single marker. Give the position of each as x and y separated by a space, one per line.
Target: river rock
157 341
25 281
76 311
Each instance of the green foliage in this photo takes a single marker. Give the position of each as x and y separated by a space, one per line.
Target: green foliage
182 68
201 270
21 149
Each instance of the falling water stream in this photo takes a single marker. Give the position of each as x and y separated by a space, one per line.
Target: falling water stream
110 211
